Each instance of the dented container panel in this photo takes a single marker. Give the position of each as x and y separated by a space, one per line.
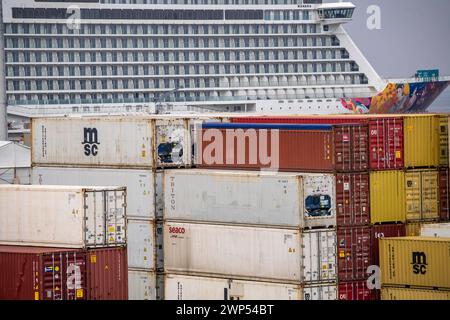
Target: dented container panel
62 216
184 287
223 249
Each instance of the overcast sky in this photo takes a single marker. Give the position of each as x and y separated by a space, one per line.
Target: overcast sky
414 34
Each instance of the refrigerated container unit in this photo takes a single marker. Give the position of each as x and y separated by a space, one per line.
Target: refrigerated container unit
416 262
186 287
386 147
309 148
140 184
295 200
62 216
45 273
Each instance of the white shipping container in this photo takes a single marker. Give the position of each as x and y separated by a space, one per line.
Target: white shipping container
183 287
140 184
276 199
141 285
319 255
93 141
62 216
320 292
241 252
435 230
141 244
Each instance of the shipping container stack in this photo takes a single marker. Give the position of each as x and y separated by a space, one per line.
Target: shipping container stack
119 151
63 243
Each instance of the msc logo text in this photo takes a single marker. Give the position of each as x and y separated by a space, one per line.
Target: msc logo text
90 142
419 262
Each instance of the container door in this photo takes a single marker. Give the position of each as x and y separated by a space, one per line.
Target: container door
443 139
344 249
444 209
75 275
377 144
430 195
53 277
344 214
352 193
413 196
115 217
360 148
362 253
342 148
327 255
95 218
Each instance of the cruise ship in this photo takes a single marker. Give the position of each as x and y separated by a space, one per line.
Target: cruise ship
264 56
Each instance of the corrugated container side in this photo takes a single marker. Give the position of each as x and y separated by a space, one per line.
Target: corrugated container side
422 194
183 287
107 272
354 252
435 230
316 119
444 196
387 196
415 261
386 143
36 273
78 213
92 141
141 245
139 184
399 293
319 255
351 148
289 145
422 141
384 231
320 292
223 249
356 290
352 199
141 285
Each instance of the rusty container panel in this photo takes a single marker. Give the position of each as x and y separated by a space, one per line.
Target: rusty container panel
351 147
356 290
444 207
286 147
384 231
38 273
354 252
386 143
107 273
352 199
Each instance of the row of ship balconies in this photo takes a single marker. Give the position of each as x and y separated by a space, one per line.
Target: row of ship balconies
216 82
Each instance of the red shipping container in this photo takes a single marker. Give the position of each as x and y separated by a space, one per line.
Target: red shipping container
385 132
386 143
352 199
38 273
354 252
356 290
384 231
107 271
314 148
444 208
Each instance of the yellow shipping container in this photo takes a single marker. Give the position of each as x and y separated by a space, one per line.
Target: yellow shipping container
422 141
422 194
397 293
413 228
415 261
443 139
387 196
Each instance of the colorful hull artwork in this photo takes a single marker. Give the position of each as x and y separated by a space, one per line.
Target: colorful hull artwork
398 98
